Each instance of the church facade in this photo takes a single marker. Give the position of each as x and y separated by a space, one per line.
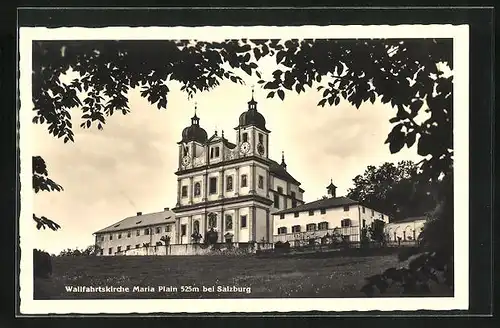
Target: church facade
231 188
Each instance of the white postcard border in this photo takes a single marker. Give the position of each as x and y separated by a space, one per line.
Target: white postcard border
460 35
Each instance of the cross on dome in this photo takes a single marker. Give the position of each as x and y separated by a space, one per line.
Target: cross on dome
195 119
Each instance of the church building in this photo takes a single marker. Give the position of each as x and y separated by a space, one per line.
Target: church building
232 188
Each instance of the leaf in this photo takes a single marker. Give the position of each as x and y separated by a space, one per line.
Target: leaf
394 120
257 53
270 94
425 145
279 56
410 138
246 69
416 105
281 94
322 102
271 85
337 100
396 139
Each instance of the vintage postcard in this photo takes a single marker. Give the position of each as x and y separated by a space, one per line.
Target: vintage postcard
243 169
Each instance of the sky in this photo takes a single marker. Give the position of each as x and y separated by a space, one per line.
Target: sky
129 166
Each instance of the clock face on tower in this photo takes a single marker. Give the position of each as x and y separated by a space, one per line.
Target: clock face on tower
260 149
186 160
245 147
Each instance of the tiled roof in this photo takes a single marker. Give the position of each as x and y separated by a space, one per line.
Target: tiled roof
277 170
143 220
319 204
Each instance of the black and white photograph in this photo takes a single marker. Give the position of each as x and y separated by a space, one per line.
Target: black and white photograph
243 169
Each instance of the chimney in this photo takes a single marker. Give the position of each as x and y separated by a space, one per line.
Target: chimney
139 213
167 209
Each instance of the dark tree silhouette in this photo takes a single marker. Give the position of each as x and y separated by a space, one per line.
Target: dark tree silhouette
408 74
41 182
394 190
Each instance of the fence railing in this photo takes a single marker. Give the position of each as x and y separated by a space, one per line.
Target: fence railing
345 233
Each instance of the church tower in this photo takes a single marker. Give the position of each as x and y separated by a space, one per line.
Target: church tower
252 136
193 142
331 188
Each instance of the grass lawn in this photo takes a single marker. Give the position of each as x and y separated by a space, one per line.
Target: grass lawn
276 277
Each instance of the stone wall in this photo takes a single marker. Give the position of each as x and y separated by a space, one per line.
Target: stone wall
196 249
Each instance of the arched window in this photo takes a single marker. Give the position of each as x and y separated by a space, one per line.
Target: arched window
196 226
197 189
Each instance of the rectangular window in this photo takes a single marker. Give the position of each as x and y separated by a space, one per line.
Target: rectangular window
296 214
346 208
119 249
129 234
229 222
296 228
243 221
294 203
102 238
229 183
373 212
111 237
213 185
184 192
281 230
216 151
280 190
146 231
345 223
110 250
292 194
138 233
183 230
245 137
323 211
261 138
119 236
311 213
212 152
276 201
128 247
158 230
261 182
168 228
311 227
323 226
364 223
243 180
282 216
363 208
